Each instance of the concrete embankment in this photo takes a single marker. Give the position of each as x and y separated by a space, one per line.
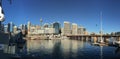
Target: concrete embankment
37 37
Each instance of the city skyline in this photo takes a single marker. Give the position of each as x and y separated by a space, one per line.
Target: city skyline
85 13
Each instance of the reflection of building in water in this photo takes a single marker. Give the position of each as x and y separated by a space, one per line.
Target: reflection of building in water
9 49
71 47
80 44
117 50
65 46
39 45
74 46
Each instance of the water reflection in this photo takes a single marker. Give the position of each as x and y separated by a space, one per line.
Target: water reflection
60 48
117 51
101 52
34 46
67 49
9 49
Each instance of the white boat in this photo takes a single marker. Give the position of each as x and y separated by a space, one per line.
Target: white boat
117 43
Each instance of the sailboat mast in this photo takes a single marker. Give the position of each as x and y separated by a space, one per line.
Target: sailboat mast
101 27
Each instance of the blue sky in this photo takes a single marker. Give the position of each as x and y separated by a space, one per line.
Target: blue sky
82 12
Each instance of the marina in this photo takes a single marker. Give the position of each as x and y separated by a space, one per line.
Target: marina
57 49
59 29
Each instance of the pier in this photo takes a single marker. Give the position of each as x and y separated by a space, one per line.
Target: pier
95 38
90 36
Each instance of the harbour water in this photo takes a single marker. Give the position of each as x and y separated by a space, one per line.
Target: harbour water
68 49
65 49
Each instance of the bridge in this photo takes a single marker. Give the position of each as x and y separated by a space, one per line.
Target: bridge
92 35
94 38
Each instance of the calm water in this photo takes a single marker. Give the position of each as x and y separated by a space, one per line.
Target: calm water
68 49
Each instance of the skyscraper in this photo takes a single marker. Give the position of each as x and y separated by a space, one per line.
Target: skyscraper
81 30
29 25
6 29
15 29
74 29
1 26
67 28
56 25
10 27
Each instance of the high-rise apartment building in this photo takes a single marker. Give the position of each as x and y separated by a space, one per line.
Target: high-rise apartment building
74 29
6 29
67 28
81 30
28 25
56 25
10 27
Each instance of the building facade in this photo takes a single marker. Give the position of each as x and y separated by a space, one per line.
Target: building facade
81 30
28 27
56 26
67 28
46 25
15 29
49 30
6 29
10 27
74 29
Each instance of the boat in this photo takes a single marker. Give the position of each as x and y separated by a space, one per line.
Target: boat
116 43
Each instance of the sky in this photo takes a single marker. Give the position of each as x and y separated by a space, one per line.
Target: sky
81 12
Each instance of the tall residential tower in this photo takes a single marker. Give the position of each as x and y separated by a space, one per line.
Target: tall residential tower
67 28
74 29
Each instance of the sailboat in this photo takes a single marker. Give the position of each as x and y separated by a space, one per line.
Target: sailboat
101 39
101 32
101 43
